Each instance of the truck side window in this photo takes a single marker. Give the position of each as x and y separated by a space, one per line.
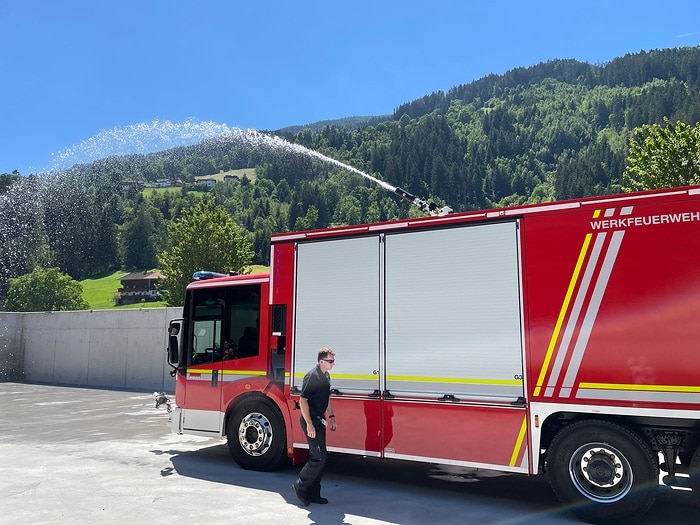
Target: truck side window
243 303
206 346
208 309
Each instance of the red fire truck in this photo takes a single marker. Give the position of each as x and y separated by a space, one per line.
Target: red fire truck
559 338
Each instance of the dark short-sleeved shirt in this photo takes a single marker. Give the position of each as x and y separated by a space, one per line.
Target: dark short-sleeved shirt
316 388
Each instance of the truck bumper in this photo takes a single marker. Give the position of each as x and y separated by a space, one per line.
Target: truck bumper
176 420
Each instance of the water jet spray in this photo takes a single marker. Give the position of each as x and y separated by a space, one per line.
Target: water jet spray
155 136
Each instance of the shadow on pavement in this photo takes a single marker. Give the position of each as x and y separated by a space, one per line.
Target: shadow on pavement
361 486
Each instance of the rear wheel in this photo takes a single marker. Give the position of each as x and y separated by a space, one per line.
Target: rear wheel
256 435
603 471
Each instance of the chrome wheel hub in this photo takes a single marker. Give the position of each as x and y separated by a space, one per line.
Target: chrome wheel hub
255 434
600 472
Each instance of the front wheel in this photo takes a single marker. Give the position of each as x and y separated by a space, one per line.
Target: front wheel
603 471
256 436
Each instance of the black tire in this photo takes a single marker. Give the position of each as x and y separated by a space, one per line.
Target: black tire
603 471
694 472
256 436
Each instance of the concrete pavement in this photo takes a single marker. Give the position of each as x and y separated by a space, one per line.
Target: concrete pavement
89 456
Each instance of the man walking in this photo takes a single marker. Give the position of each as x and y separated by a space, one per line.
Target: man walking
315 403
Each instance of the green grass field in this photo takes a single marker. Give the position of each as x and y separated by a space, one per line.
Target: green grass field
240 173
99 293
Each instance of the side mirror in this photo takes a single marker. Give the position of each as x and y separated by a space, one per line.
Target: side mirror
173 351
174 328
173 343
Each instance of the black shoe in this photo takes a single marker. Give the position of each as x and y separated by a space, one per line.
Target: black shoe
305 500
319 499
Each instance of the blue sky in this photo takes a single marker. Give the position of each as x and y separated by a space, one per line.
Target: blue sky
73 69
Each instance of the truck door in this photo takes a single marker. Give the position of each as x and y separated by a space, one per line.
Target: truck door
222 313
203 382
337 304
454 351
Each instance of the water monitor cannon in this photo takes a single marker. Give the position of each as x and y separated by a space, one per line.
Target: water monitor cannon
429 207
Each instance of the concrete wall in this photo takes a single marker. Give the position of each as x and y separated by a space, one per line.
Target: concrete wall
102 348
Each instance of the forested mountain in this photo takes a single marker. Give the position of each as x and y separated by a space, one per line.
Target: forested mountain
346 122
552 131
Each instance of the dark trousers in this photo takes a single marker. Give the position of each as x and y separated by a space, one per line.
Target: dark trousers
310 476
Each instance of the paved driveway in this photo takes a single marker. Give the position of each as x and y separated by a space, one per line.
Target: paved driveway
85 456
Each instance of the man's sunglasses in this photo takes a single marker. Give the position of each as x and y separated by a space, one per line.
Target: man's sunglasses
331 361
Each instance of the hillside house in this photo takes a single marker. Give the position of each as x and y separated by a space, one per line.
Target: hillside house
137 287
206 183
